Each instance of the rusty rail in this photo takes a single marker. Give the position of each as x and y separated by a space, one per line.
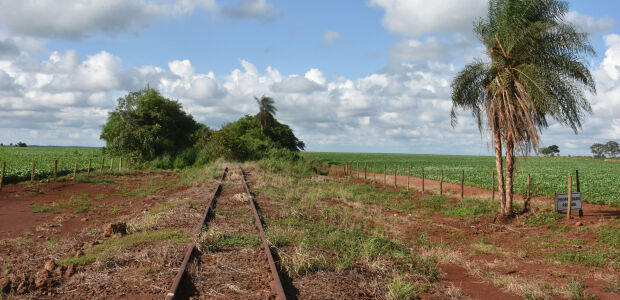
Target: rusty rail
191 247
276 284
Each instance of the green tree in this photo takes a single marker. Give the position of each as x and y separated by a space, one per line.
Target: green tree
145 125
21 144
535 68
266 114
598 150
612 149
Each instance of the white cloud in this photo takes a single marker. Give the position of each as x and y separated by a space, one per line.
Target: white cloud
77 19
416 18
589 24
296 84
401 108
414 50
330 37
251 9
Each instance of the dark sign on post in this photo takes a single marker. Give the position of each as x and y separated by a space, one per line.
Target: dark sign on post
561 202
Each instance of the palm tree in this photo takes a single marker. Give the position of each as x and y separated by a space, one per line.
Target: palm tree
266 113
535 68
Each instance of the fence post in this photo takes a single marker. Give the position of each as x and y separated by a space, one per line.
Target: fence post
111 163
55 169
578 185
408 176
2 174
570 196
358 169
345 168
441 183
74 170
395 167
374 171
102 163
120 164
384 174
90 162
32 172
364 171
462 183
422 179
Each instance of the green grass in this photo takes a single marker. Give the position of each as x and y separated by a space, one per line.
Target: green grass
43 208
163 206
400 289
548 218
549 175
19 161
111 246
589 258
610 234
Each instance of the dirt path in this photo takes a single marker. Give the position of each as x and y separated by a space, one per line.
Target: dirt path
591 211
232 264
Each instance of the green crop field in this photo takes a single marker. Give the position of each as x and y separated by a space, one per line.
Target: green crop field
19 161
599 179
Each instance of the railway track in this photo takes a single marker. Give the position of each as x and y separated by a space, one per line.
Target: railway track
231 258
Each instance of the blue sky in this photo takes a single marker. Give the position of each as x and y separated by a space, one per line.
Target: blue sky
364 76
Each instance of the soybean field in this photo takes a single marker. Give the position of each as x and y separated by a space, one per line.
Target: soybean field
599 179
19 161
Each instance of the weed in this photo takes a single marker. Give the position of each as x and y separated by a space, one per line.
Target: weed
302 262
41 208
163 206
470 208
610 234
53 240
592 258
109 247
612 287
77 204
548 218
400 289
577 290
116 208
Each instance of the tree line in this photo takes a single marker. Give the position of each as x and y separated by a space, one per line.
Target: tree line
156 131
609 149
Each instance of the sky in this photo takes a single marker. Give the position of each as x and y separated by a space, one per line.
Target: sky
351 76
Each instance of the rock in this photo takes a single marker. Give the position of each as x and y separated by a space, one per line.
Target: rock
579 224
22 288
84 219
69 271
41 236
79 253
115 228
5 285
42 280
49 265
59 271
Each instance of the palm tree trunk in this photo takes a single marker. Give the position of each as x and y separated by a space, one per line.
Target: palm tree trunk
510 164
497 141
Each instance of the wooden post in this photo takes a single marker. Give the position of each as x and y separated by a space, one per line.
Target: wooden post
422 179
345 168
462 184
408 176
90 162
358 169
528 186
384 174
374 171
102 163
2 174
55 169
441 183
111 163
395 167
364 171
120 164
32 172
74 170
578 185
493 186
570 196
